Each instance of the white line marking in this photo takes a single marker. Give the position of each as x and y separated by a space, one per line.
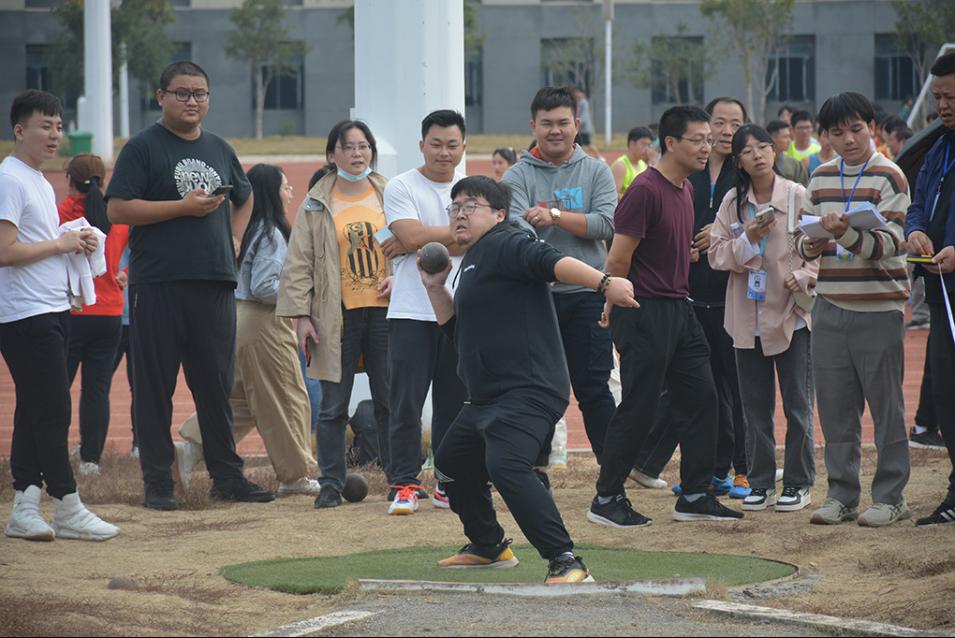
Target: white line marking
649 587
848 626
312 625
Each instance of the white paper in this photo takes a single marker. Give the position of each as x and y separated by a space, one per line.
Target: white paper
865 216
811 225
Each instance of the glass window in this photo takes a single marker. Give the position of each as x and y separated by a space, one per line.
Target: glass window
676 70
286 91
791 73
473 76
568 62
38 74
895 74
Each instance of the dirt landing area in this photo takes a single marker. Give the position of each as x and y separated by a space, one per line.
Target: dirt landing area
161 575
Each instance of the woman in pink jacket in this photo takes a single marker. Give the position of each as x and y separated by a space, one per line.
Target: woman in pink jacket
768 303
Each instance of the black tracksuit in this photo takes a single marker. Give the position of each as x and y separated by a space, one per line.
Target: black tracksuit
512 363
708 293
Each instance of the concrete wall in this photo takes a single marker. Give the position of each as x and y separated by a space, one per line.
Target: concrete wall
844 33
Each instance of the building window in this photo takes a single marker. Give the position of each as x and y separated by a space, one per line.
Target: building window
569 62
473 79
286 91
895 74
38 74
791 73
181 52
676 70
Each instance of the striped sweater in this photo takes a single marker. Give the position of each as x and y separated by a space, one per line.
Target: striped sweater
869 275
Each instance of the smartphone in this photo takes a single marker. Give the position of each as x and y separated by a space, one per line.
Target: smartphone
383 235
763 216
222 190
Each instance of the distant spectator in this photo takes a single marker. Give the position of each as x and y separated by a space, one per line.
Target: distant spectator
626 167
501 160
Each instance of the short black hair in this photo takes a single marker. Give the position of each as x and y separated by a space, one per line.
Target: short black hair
841 108
892 123
34 101
508 153
553 97
336 137
712 105
944 65
443 118
800 116
675 119
776 126
903 133
497 195
638 132
180 68
784 107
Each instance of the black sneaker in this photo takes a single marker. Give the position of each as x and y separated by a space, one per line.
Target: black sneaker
705 508
617 513
159 498
924 324
472 555
944 514
928 439
328 497
567 569
240 490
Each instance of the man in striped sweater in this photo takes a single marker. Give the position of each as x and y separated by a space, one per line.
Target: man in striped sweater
857 322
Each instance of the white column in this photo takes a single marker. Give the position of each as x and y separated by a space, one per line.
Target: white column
124 96
98 76
409 61
608 71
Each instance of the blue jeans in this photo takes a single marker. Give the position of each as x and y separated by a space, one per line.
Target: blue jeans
365 334
314 389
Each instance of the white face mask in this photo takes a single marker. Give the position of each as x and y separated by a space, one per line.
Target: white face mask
354 178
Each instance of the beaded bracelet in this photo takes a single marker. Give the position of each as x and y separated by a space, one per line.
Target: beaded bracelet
602 286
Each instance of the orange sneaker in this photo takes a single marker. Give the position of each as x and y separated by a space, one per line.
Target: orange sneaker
405 501
473 556
740 487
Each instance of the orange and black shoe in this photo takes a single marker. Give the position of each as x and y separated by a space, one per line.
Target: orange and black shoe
472 555
567 568
405 500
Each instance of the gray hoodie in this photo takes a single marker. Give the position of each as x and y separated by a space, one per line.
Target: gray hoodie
582 184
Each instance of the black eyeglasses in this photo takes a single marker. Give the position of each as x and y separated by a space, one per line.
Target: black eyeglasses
467 208
183 95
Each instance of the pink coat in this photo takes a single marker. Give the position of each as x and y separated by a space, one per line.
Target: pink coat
777 314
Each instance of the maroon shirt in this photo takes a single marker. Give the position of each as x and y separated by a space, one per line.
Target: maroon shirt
661 215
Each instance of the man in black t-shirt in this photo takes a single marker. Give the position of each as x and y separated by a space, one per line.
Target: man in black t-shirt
182 275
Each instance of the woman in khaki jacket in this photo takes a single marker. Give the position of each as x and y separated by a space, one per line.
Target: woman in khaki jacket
767 315
336 283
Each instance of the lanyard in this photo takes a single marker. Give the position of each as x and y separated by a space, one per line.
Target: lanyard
842 186
946 168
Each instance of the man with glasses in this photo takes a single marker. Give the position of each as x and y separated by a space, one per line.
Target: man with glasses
661 343
170 184
420 354
708 292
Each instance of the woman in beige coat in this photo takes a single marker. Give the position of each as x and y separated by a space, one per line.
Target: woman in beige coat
767 315
336 284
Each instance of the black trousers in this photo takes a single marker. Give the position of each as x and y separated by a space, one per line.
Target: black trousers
191 323
501 442
925 414
35 351
661 343
121 351
419 355
942 356
93 343
731 437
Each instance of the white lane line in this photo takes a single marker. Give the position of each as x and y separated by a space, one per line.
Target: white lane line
312 625
848 626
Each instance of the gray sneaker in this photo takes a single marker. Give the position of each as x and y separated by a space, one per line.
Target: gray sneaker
833 512
882 514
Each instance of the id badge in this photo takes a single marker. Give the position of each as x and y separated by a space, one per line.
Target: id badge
756 287
736 230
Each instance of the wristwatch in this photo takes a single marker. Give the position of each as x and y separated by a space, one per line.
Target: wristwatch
555 215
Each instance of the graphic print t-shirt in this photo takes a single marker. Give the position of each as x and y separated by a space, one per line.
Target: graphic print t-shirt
363 266
158 165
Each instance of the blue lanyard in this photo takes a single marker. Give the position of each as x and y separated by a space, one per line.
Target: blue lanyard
842 186
946 169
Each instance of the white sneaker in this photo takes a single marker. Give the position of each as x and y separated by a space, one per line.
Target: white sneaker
779 474
303 485
134 453
188 456
405 501
793 499
71 519
440 499
758 500
647 481
88 468
26 520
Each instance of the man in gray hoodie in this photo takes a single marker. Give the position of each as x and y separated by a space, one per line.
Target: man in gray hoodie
568 199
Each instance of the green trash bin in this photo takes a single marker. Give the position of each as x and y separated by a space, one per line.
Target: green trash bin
80 142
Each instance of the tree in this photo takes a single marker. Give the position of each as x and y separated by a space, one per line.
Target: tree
261 39
139 24
670 65
757 30
922 27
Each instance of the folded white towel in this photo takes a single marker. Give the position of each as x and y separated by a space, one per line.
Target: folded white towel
81 269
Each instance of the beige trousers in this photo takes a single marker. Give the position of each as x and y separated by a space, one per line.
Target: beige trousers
269 392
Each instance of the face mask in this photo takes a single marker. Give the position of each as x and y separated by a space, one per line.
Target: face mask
354 178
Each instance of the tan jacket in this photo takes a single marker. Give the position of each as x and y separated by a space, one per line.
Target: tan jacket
311 282
776 315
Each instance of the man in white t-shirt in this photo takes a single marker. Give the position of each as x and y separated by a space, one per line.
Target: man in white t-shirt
416 210
35 326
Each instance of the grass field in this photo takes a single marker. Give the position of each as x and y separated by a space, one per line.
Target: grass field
330 574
